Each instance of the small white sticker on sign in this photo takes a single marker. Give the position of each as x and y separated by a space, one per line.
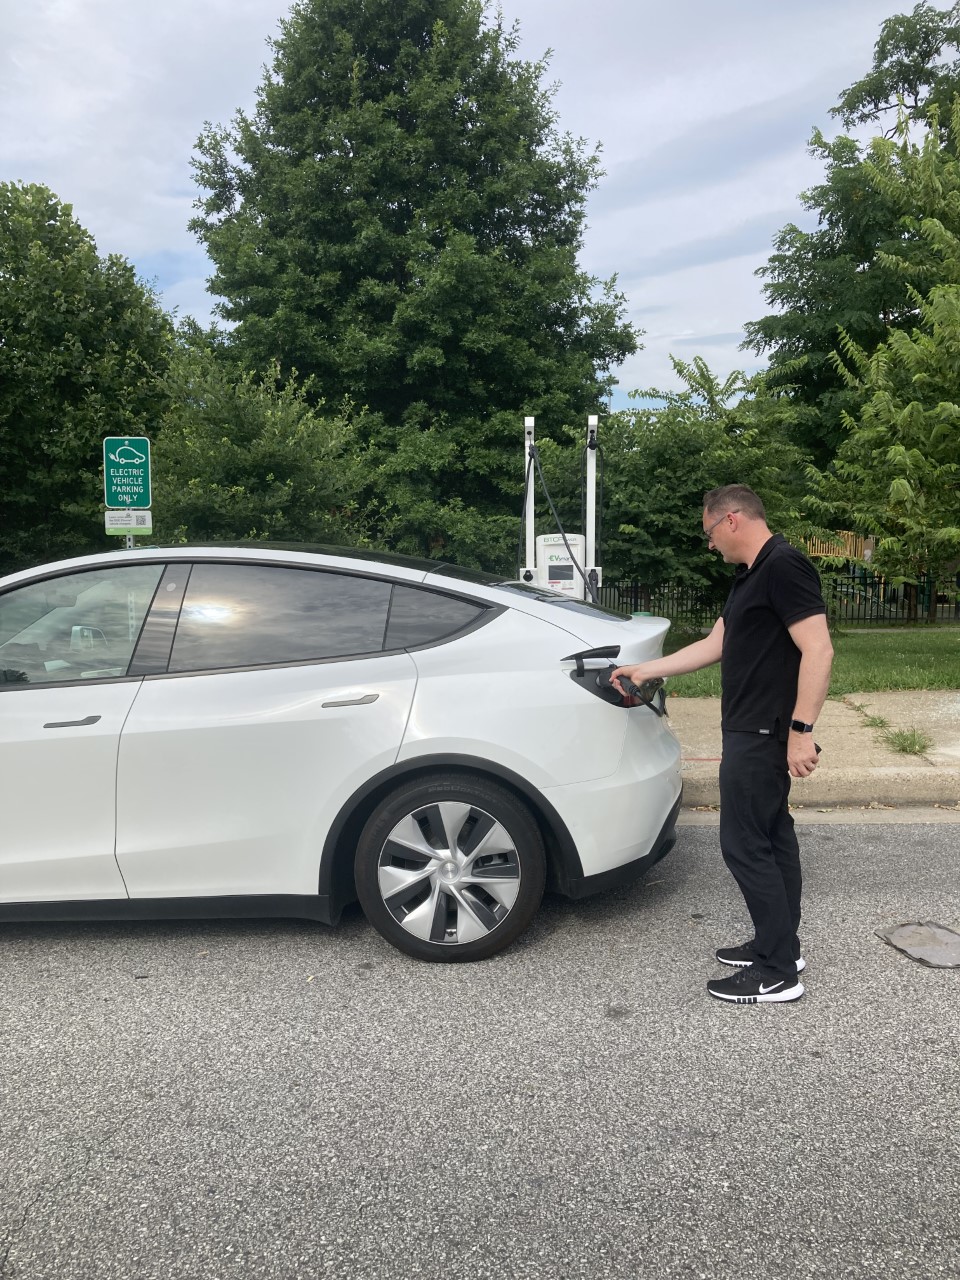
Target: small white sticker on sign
124 522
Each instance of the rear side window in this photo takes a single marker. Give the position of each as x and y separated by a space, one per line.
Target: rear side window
423 617
241 615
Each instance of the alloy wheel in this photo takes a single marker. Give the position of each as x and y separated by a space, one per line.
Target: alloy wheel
449 873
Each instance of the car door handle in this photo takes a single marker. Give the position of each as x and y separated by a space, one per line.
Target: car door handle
353 702
71 724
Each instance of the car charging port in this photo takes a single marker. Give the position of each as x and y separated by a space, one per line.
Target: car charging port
649 693
596 680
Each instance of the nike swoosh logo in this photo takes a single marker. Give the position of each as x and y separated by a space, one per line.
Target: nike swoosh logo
764 991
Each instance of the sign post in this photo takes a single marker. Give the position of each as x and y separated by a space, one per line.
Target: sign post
126 485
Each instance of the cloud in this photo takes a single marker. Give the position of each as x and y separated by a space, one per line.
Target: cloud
727 146
749 237
709 339
704 111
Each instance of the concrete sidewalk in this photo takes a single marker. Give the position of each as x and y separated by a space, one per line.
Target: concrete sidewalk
856 766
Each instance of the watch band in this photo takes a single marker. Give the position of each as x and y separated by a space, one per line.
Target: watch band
798 726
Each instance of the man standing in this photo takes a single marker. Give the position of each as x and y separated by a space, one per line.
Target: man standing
775 656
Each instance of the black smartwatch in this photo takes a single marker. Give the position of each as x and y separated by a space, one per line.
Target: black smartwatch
798 726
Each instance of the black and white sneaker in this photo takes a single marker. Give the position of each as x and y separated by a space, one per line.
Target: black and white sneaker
749 986
743 956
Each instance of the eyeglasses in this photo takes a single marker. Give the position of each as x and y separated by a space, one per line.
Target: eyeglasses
709 530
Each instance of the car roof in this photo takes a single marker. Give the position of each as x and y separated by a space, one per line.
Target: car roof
350 559
347 558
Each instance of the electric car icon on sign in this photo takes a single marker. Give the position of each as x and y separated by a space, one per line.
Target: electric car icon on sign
127 454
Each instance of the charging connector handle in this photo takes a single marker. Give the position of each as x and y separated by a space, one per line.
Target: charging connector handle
645 692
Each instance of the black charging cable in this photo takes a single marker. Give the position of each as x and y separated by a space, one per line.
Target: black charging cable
521 549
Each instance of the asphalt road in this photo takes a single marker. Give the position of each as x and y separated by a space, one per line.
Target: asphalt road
279 1099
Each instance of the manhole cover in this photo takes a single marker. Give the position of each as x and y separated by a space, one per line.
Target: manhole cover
930 943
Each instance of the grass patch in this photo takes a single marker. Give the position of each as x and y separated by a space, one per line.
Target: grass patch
875 722
864 662
909 742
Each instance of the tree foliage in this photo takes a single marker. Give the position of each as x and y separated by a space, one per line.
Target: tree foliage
399 220
660 460
82 346
831 279
897 472
912 69
242 457
839 276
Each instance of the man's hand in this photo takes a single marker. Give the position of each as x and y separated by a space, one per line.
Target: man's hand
691 658
637 674
801 754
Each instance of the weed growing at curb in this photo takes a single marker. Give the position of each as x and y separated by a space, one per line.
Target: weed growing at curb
909 742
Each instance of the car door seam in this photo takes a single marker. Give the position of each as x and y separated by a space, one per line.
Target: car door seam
116 787
413 698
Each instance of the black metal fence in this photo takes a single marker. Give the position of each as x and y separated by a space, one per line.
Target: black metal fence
689 606
856 597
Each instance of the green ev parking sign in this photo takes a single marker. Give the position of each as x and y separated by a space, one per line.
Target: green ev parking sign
126 472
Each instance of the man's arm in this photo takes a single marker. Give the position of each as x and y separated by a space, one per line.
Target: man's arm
702 653
812 638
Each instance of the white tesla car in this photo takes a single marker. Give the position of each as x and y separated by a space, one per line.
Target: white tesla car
258 731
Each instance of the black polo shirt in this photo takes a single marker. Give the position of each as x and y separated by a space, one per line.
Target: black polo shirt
760 662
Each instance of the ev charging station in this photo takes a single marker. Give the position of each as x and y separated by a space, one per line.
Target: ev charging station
565 562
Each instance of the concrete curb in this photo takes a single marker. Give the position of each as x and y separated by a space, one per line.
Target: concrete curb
884 784
826 816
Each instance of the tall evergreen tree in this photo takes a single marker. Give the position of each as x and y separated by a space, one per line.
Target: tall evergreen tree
399 220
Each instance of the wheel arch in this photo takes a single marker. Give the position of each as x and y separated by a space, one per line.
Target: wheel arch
337 860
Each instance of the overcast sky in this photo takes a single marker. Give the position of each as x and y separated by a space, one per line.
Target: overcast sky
703 110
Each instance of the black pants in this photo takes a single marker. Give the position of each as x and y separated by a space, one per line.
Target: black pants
759 845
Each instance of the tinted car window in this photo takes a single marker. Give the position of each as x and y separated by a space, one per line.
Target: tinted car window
419 617
239 615
81 626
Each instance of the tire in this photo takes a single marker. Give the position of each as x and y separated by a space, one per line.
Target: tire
469 904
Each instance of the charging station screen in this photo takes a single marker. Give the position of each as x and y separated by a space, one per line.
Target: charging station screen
560 573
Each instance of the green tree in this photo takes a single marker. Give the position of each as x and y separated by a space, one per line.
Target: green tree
240 456
827 280
839 276
659 462
82 346
897 472
400 220
912 69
